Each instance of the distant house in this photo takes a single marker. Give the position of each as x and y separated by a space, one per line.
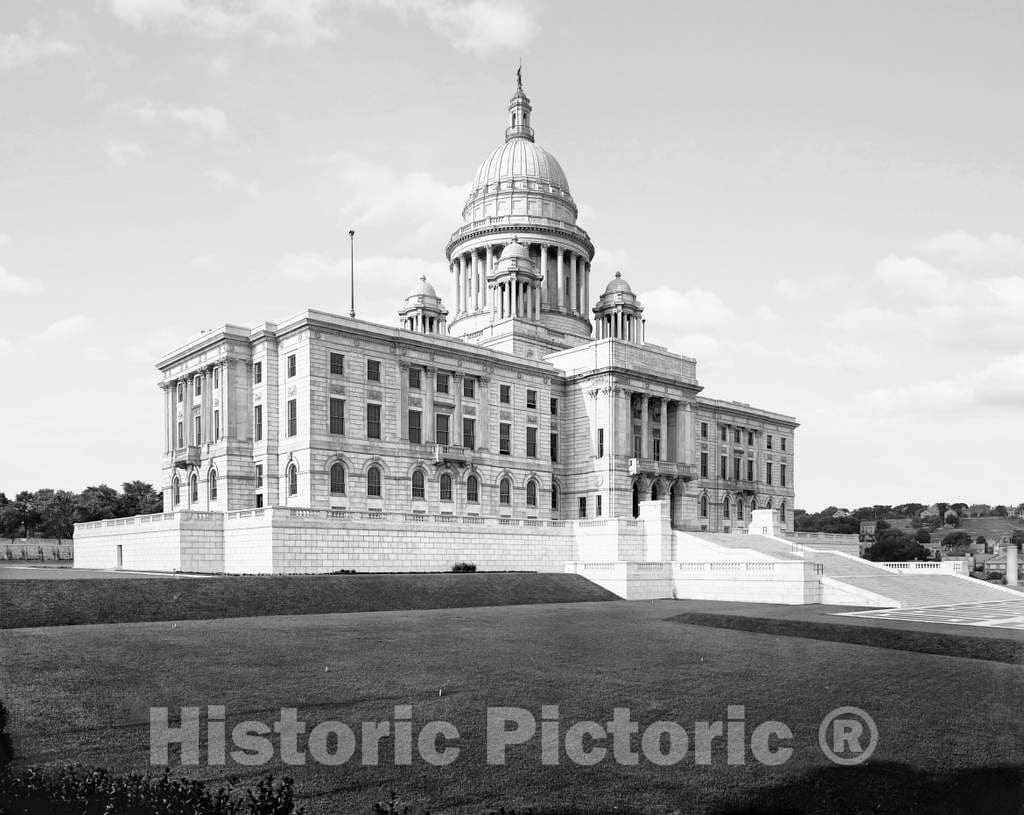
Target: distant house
950 516
930 512
841 513
979 510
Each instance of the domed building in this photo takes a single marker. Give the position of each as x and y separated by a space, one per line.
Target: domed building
520 192
522 423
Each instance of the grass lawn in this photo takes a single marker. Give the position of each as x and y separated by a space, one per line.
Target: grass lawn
951 736
29 603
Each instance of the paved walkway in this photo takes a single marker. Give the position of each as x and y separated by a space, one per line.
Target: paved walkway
10 571
1007 613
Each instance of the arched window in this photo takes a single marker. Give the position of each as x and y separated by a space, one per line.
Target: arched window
753 506
446 487
782 512
293 479
211 484
193 488
473 489
419 488
373 481
554 497
505 492
531 493
725 507
769 504
703 506
175 491
337 479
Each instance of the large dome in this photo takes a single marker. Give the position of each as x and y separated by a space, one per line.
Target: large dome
520 159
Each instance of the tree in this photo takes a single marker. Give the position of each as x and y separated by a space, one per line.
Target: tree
10 521
56 513
98 503
1000 511
923 536
957 543
893 545
1017 538
23 501
139 498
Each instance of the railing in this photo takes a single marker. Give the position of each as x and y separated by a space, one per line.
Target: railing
507 220
825 536
452 452
184 456
652 466
925 566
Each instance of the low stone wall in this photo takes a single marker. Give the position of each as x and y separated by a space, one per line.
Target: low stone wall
22 549
790 583
166 542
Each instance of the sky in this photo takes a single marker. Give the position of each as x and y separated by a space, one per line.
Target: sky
823 202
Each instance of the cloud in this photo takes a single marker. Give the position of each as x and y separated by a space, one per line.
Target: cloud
121 153
915 276
688 311
382 281
4 239
375 193
210 121
479 26
766 313
22 50
64 329
864 317
6 347
224 180
11 283
963 248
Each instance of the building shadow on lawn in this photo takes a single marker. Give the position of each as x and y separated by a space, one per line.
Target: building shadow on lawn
890 787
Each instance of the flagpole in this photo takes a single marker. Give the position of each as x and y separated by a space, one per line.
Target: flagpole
352 271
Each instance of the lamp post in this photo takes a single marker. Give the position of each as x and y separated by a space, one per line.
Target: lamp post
352 271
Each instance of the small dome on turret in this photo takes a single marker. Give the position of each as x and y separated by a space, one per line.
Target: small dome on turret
514 250
423 289
618 284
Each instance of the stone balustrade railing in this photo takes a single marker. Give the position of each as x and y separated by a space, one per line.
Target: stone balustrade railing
925 566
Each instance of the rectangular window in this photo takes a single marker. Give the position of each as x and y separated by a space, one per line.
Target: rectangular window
637 440
505 394
337 364
373 421
703 465
469 433
259 476
600 442
750 469
259 500
291 365
736 465
656 444
181 435
414 379
216 425
441 428
554 406
197 386
257 373
338 417
198 430
768 442
554 447
531 442
782 441
469 388
181 393
768 473
723 468
373 370
597 507
750 438
415 427
582 507
724 433
505 439
257 423
782 475
703 430
736 436
216 377
531 399
293 417
441 383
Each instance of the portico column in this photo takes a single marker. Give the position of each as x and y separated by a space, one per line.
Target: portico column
664 429
645 426
560 281
428 404
456 433
626 425
225 400
458 285
484 413
1011 564
545 280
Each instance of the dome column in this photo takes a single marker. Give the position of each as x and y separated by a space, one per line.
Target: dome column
585 311
545 281
457 274
574 263
488 265
560 280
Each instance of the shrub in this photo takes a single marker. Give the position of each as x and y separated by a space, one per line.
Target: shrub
343 571
6 747
73 791
8 554
464 567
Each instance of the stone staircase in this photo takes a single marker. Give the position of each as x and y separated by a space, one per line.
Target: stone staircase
888 588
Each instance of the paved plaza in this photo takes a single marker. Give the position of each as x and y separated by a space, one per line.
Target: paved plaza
1007 613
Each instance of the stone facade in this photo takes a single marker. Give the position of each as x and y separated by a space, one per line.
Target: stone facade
525 400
